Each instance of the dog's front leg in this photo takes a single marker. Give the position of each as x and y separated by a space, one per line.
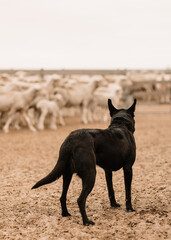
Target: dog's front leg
128 180
111 193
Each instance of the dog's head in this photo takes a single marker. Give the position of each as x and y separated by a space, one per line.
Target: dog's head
122 116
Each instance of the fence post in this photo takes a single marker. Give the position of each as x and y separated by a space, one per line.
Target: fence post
42 74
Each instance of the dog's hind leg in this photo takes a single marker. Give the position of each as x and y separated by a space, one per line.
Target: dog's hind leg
111 193
128 179
87 185
66 181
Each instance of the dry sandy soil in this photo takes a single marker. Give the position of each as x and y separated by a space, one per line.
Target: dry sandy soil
26 157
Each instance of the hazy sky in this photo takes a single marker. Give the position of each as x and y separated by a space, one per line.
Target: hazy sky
85 34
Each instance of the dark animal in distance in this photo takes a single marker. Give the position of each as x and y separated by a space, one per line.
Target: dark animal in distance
112 149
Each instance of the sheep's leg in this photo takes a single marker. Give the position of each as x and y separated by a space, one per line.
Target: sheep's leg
10 118
85 112
61 120
84 115
95 112
8 122
33 116
90 115
43 114
53 121
105 118
16 125
33 129
36 117
90 109
17 121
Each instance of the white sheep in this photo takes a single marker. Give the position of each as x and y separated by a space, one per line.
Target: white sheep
49 107
100 96
79 94
13 102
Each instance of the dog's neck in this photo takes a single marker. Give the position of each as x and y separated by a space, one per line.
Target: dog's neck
122 121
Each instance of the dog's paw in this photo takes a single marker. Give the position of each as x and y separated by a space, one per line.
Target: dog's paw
66 214
115 205
88 222
130 209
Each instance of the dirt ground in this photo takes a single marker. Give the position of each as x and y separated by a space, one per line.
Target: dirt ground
26 157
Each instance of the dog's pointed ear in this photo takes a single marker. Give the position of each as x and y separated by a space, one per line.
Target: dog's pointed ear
132 108
112 109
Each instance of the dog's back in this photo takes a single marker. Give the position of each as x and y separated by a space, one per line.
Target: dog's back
113 147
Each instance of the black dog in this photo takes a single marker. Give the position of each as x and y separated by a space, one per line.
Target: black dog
112 148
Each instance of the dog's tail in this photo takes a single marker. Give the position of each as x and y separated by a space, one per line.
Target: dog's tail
53 175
